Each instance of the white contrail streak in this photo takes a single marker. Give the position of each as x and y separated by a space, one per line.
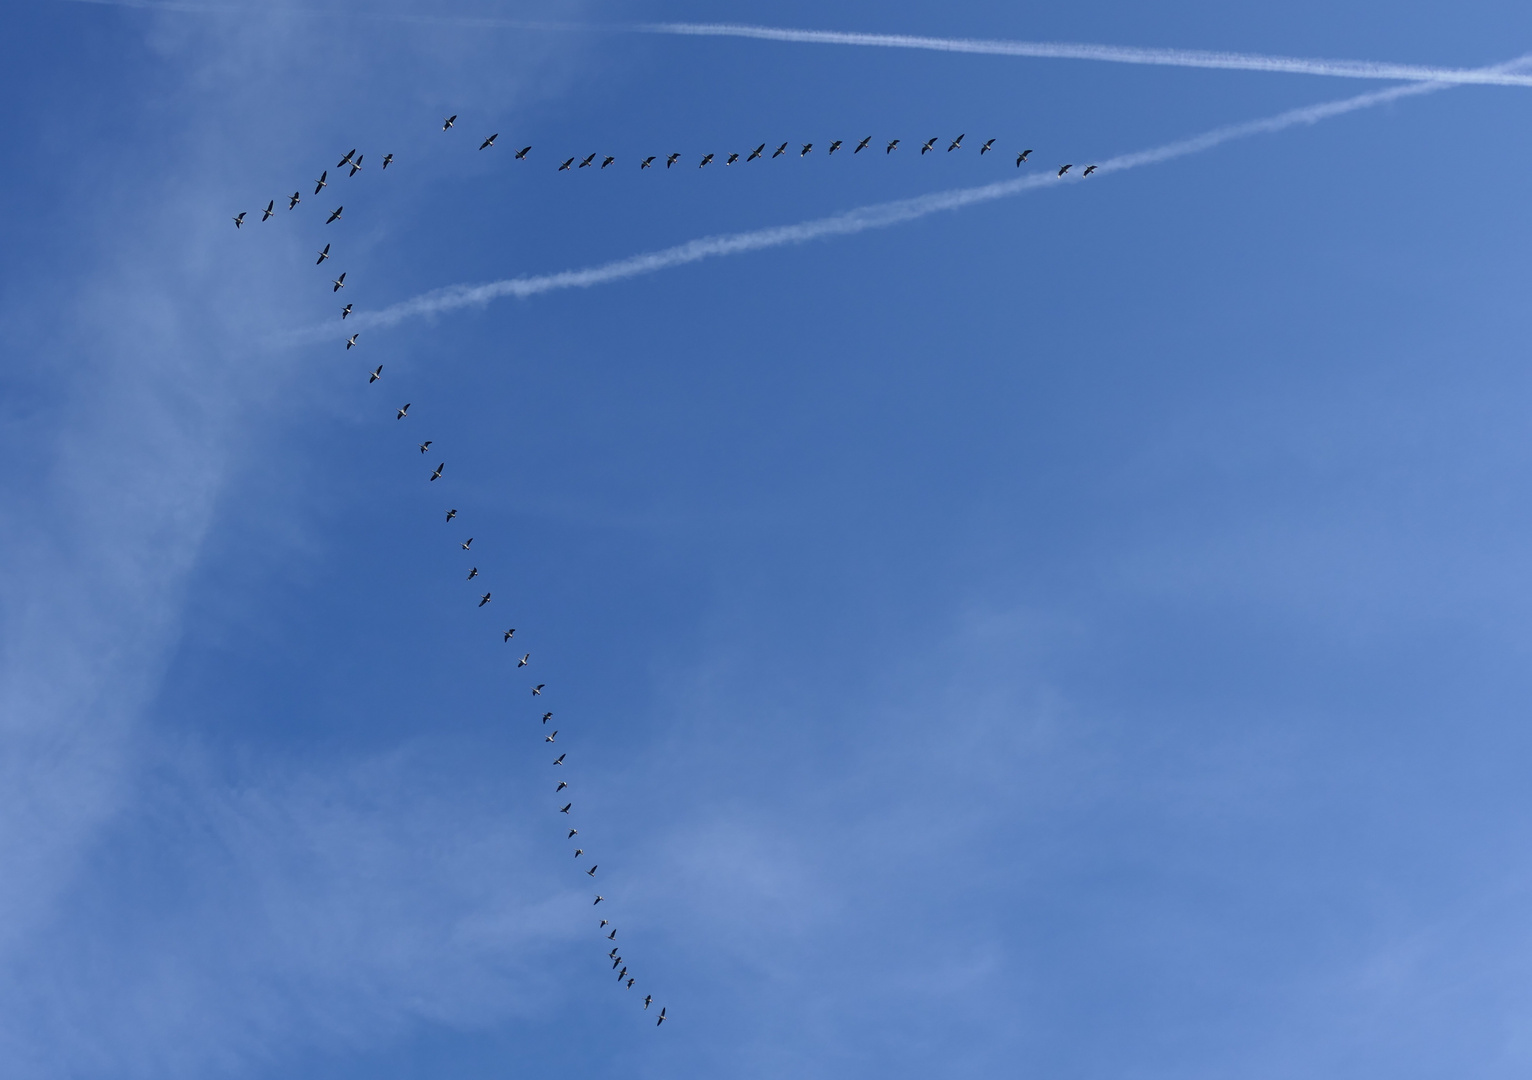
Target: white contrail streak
1050 50
878 216
1112 54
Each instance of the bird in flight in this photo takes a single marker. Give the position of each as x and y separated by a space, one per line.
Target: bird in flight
449 121
1022 157
340 282
834 146
335 216
351 341
473 573
467 543
607 160
891 147
559 761
705 160
323 255
631 982
293 200
1089 169
321 183
450 513
523 661
592 871
929 143
612 936
862 145
552 735
587 161
547 716
523 152
437 476
603 922
487 143
510 633
403 412
343 162
613 954
239 219
565 808
599 898
484 599
355 165
572 834
648 161
269 207
957 142
985 148
661 1020
344 312
425 446
755 153
386 159
537 691
806 148
375 376
615 959
623 974
647 999
566 165
732 159
1064 169
779 151
671 160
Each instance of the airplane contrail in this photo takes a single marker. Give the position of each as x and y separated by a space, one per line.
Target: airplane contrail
877 216
1051 50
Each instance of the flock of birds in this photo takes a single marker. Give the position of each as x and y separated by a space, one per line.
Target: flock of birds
352 161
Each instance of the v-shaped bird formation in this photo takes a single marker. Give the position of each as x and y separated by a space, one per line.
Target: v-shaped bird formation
352 163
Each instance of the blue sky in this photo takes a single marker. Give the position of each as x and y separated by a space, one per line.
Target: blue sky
1083 634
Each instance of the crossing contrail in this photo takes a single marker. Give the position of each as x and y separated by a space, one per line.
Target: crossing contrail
1048 50
877 216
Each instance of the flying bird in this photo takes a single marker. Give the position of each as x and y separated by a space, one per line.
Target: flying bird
648 161
335 216
862 145
834 146
344 312
547 716
355 165
603 922
732 159
269 207
565 808
449 121
779 151
351 341
607 160
559 761
293 200
537 691
612 936
450 513
573 833
1064 169
484 599
661 1020
929 143
631 982
523 152
467 543
550 737
957 142
647 999
487 143
587 161
566 165
671 160
343 162
400 416
510 633
239 219
891 146
1089 169
1021 157
623 974
320 184
706 160
376 375
425 446
386 159
592 871
755 153
985 148
806 148
340 282
437 476
523 661
473 573
323 255
613 954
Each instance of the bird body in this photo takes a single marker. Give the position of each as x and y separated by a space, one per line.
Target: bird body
607 160
523 152
239 220
705 160
661 1020
547 716
985 148
612 936
487 143
386 159
862 145
355 165
891 147
343 162
671 160
523 661
467 543
321 183
647 999
323 255
269 208
294 199
473 573
1089 169
450 513
648 161
560 759
929 143
425 446
732 159
550 737
755 153
334 216
779 151
1064 169
572 834
806 148
437 476
484 599
834 146
631 982
344 312
402 413
592 871
376 375
351 341
510 634
587 161
537 691
449 121
340 282
566 165
957 142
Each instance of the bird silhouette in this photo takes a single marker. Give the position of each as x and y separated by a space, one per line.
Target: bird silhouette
484 599
449 121
270 207
862 145
375 376
239 220
487 143
335 215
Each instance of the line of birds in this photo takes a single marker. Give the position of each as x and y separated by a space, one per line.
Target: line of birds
353 160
